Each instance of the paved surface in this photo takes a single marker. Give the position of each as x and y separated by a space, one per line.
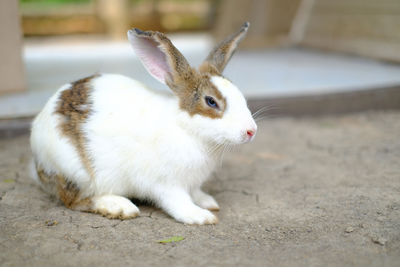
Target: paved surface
307 192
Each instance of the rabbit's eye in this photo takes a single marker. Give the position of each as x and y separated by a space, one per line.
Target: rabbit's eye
211 102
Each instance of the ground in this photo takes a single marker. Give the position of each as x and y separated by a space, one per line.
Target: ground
307 192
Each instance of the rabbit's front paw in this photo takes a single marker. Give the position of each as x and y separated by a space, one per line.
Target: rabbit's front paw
204 200
196 216
179 205
114 207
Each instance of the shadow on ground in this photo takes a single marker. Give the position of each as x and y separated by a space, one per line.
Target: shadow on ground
307 192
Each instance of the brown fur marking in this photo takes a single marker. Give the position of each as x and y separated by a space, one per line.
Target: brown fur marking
192 96
69 194
207 68
75 107
44 177
66 191
48 181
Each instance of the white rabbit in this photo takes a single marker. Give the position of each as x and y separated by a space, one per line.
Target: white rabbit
106 138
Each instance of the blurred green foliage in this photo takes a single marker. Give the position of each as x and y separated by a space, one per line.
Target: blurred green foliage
60 17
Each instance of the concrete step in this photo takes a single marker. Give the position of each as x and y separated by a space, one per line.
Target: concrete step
263 74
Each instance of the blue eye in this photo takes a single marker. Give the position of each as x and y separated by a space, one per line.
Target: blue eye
211 102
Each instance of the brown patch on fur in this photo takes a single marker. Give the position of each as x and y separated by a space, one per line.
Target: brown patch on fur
69 194
207 88
207 68
75 107
48 181
65 190
192 97
45 178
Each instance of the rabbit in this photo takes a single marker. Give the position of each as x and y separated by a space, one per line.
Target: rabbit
104 139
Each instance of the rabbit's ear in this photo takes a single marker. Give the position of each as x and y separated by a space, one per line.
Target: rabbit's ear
222 53
159 56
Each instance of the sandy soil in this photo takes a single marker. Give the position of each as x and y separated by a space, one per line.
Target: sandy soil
306 192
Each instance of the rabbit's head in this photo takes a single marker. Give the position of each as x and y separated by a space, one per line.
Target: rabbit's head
217 109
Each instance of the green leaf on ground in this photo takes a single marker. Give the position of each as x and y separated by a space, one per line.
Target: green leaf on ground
8 181
172 239
51 223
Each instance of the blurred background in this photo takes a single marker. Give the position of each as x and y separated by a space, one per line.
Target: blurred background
300 56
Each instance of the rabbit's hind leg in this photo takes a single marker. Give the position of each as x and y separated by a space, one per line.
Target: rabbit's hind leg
110 206
114 207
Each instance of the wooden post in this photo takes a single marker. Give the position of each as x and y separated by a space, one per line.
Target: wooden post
270 20
11 66
115 14
300 21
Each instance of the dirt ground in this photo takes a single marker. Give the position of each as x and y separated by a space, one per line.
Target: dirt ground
307 192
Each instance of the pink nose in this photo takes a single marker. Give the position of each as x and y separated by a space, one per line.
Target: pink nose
250 133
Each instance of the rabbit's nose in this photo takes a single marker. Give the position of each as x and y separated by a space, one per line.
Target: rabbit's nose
250 133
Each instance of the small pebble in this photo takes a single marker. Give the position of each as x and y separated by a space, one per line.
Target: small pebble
379 240
381 218
349 229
